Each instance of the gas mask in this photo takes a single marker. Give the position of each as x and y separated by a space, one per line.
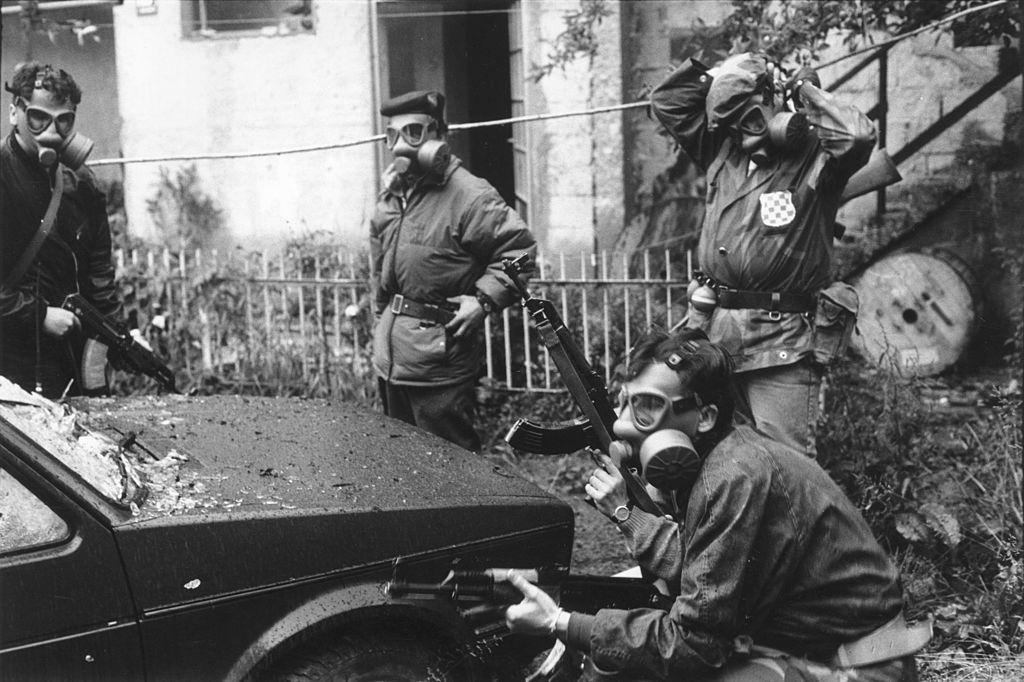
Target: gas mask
418 155
762 130
51 138
430 158
669 461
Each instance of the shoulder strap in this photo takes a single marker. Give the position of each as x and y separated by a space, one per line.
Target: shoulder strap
45 227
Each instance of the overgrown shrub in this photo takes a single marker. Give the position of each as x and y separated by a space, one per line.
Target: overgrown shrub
940 486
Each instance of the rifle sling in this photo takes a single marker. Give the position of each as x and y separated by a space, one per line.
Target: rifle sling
634 486
45 227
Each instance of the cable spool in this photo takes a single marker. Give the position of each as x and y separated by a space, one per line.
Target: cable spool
918 312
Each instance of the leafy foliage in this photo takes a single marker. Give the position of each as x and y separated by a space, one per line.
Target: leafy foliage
940 487
797 31
578 39
184 215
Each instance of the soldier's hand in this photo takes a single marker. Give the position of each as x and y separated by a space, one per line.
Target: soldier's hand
536 614
468 317
393 177
59 322
804 75
606 487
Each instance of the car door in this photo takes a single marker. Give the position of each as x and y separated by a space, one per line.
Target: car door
67 612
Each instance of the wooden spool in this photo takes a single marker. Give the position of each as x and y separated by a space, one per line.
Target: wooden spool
918 311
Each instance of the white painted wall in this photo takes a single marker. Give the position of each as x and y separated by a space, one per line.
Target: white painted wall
574 198
182 96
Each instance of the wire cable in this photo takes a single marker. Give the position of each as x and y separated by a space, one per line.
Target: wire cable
515 119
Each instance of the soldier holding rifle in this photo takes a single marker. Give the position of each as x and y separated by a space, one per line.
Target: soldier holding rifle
55 234
776 575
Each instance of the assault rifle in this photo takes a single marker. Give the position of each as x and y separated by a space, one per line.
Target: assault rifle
594 429
582 593
113 335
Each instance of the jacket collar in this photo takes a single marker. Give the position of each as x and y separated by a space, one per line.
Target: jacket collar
431 181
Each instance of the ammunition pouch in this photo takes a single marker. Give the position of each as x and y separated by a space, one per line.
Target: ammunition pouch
835 316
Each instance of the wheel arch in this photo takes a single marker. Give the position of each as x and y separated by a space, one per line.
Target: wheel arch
336 611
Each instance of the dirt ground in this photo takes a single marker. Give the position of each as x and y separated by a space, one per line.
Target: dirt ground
598 547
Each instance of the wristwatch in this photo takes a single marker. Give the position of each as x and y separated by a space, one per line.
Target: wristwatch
485 302
620 514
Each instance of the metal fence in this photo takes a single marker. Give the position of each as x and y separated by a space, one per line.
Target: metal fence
301 321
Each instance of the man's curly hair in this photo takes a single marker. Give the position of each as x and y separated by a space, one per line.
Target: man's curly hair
31 75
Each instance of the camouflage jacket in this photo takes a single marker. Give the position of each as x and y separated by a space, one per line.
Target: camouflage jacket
771 230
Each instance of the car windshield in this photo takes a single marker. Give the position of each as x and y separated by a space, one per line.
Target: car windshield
57 429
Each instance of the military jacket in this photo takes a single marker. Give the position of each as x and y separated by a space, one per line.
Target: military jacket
445 236
771 230
75 258
770 552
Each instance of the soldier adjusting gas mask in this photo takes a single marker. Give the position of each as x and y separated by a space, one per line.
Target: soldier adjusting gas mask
762 130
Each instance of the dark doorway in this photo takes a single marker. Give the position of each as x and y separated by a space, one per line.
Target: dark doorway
471 40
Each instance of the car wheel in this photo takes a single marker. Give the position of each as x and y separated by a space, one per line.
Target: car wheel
392 657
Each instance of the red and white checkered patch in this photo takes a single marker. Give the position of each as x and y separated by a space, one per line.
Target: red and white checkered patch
777 208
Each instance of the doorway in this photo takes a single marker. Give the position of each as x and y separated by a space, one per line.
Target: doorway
460 47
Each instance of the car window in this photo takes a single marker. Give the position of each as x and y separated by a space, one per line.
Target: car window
57 429
25 520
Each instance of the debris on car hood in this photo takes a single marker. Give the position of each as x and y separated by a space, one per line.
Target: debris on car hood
173 455
56 428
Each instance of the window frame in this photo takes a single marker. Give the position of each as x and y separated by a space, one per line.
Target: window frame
47 501
195 26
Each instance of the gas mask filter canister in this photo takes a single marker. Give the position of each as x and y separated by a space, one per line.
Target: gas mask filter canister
431 158
668 460
72 152
782 131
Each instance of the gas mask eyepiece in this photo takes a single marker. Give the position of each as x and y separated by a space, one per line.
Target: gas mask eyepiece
73 148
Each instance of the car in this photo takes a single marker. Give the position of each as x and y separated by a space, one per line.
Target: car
230 538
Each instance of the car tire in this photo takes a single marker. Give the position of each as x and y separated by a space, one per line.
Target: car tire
385 657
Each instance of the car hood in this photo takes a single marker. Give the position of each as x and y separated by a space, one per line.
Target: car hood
278 492
229 453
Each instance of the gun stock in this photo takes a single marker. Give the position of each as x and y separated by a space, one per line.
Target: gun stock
136 356
880 171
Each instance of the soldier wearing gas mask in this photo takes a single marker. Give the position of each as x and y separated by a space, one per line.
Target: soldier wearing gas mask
776 156
56 237
776 575
437 241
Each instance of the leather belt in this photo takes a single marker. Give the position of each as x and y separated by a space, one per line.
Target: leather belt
400 305
775 301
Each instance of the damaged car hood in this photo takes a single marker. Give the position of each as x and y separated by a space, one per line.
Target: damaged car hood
242 453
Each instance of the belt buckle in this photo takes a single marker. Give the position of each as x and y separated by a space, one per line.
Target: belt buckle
396 304
773 313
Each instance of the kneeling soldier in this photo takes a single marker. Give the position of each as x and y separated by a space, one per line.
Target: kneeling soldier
776 574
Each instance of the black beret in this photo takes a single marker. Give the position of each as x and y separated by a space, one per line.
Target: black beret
428 102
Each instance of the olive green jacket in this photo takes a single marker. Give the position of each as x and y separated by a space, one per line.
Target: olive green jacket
443 237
